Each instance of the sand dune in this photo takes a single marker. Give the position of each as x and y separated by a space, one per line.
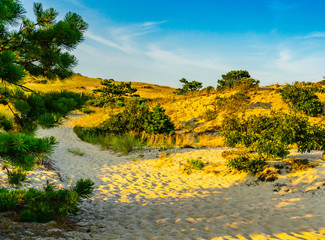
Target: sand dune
153 199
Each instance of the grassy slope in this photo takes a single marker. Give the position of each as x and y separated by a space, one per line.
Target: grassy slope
179 108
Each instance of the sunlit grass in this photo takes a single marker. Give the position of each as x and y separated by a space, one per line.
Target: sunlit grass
181 108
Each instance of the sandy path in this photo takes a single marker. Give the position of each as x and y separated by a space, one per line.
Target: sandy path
136 200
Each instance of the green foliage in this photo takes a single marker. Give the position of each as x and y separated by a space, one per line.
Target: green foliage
196 164
76 151
298 164
158 122
45 205
84 188
5 123
253 165
302 98
38 47
208 89
124 143
21 152
188 87
137 118
45 110
271 136
237 78
16 177
111 92
268 135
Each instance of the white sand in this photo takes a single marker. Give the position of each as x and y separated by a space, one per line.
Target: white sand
138 200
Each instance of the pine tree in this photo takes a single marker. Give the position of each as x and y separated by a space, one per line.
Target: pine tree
35 48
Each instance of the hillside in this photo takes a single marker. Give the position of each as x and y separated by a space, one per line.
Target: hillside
196 112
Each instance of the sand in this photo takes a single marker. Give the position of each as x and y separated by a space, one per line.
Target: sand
149 197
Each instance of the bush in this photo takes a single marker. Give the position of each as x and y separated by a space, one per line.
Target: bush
22 152
188 87
300 164
237 78
111 93
46 109
158 122
246 164
125 143
45 205
270 136
196 164
5 123
302 99
137 118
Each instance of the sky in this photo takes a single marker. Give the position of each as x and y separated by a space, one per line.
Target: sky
162 41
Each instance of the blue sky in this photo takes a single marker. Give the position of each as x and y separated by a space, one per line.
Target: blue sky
162 41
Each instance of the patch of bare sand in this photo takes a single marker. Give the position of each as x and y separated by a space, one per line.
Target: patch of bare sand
153 199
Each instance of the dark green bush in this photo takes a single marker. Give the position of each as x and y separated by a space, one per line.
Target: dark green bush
137 118
158 122
246 164
5 123
188 87
270 136
298 164
44 109
196 164
22 152
302 98
16 177
111 93
237 78
45 205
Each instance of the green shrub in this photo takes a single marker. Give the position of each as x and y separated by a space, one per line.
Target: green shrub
75 151
16 177
138 118
111 93
5 123
43 109
125 143
270 136
300 164
246 164
193 164
302 98
196 164
45 205
22 152
188 87
157 122
237 78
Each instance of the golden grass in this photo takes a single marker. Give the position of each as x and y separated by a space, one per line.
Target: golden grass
180 108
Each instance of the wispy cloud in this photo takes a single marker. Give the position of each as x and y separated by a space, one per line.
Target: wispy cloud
124 37
313 35
172 58
109 43
154 23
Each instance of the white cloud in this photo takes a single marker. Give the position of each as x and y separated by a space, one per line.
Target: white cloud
313 35
122 47
154 23
172 58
